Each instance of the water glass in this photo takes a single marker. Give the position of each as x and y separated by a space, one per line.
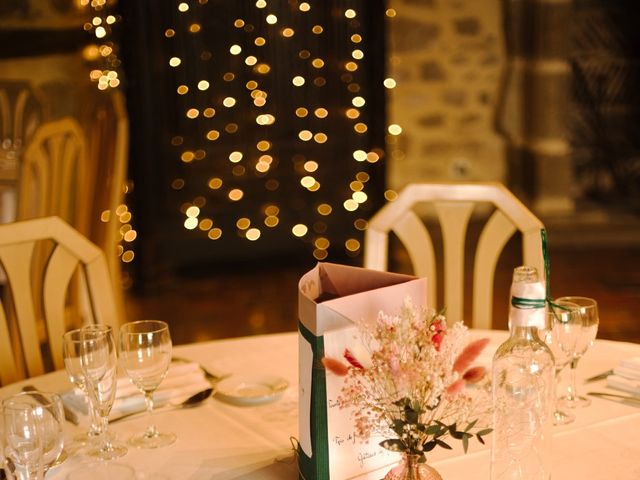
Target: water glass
48 417
563 330
588 309
71 343
145 355
22 442
98 360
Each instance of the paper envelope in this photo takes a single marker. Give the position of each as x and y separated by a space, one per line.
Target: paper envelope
330 298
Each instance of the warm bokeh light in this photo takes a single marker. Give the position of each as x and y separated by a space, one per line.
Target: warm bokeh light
242 142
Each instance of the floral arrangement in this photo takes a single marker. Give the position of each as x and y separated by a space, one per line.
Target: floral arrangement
409 382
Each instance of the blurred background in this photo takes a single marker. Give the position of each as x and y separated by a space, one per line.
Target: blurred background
232 145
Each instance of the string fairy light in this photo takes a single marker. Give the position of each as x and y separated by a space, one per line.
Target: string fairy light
233 93
105 51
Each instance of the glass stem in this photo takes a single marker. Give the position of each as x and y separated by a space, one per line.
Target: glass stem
571 392
94 428
152 431
104 434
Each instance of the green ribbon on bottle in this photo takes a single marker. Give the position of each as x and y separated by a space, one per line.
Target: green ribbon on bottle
527 303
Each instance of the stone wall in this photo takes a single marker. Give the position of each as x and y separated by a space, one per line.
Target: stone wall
447 57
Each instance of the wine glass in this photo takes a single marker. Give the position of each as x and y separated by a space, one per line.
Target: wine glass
588 309
99 362
145 355
48 415
563 329
22 442
71 352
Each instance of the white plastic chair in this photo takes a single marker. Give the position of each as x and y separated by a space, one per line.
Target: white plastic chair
454 204
21 308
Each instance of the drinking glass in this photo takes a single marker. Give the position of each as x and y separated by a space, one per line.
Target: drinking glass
22 442
71 352
563 330
48 416
99 362
145 355
588 309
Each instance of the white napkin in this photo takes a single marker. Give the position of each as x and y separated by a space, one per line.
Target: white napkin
626 376
629 368
625 384
183 380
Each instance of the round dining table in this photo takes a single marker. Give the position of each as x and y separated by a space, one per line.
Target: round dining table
222 441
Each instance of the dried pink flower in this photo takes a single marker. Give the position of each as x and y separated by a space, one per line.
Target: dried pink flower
474 374
469 354
335 366
352 360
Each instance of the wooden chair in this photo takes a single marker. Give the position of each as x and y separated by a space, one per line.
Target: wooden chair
55 177
454 204
21 352
22 109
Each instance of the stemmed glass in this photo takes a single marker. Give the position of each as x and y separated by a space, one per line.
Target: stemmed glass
588 309
563 329
47 415
99 362
145 355
22 441
71 352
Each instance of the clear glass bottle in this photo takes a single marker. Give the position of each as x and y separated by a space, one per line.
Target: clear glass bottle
523 387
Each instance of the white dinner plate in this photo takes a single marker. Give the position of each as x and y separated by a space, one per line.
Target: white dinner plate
251 389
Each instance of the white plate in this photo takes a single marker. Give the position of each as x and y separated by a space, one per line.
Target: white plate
251 389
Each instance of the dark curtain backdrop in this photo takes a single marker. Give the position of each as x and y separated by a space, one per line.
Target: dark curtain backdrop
182 135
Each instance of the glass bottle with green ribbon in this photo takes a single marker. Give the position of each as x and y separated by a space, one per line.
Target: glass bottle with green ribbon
523 387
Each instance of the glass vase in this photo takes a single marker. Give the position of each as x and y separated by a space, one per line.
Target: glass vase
410 468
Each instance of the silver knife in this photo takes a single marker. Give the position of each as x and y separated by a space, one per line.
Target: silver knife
617 397
600 376
69 415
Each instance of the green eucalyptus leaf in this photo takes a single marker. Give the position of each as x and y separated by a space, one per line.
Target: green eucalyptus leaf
471 425
433 429
465 443
485 431
428 446
443 444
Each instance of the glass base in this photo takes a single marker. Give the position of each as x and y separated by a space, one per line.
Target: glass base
153 440
574 402
115 450
562 418
87 437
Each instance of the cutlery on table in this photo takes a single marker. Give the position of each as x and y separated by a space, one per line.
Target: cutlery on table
69 415
617 397
193 401
211 377
600 376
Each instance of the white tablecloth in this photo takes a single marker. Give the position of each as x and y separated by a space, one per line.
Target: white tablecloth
219 441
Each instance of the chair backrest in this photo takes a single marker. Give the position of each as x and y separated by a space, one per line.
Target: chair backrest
22 109
454 204
21 354
55 176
